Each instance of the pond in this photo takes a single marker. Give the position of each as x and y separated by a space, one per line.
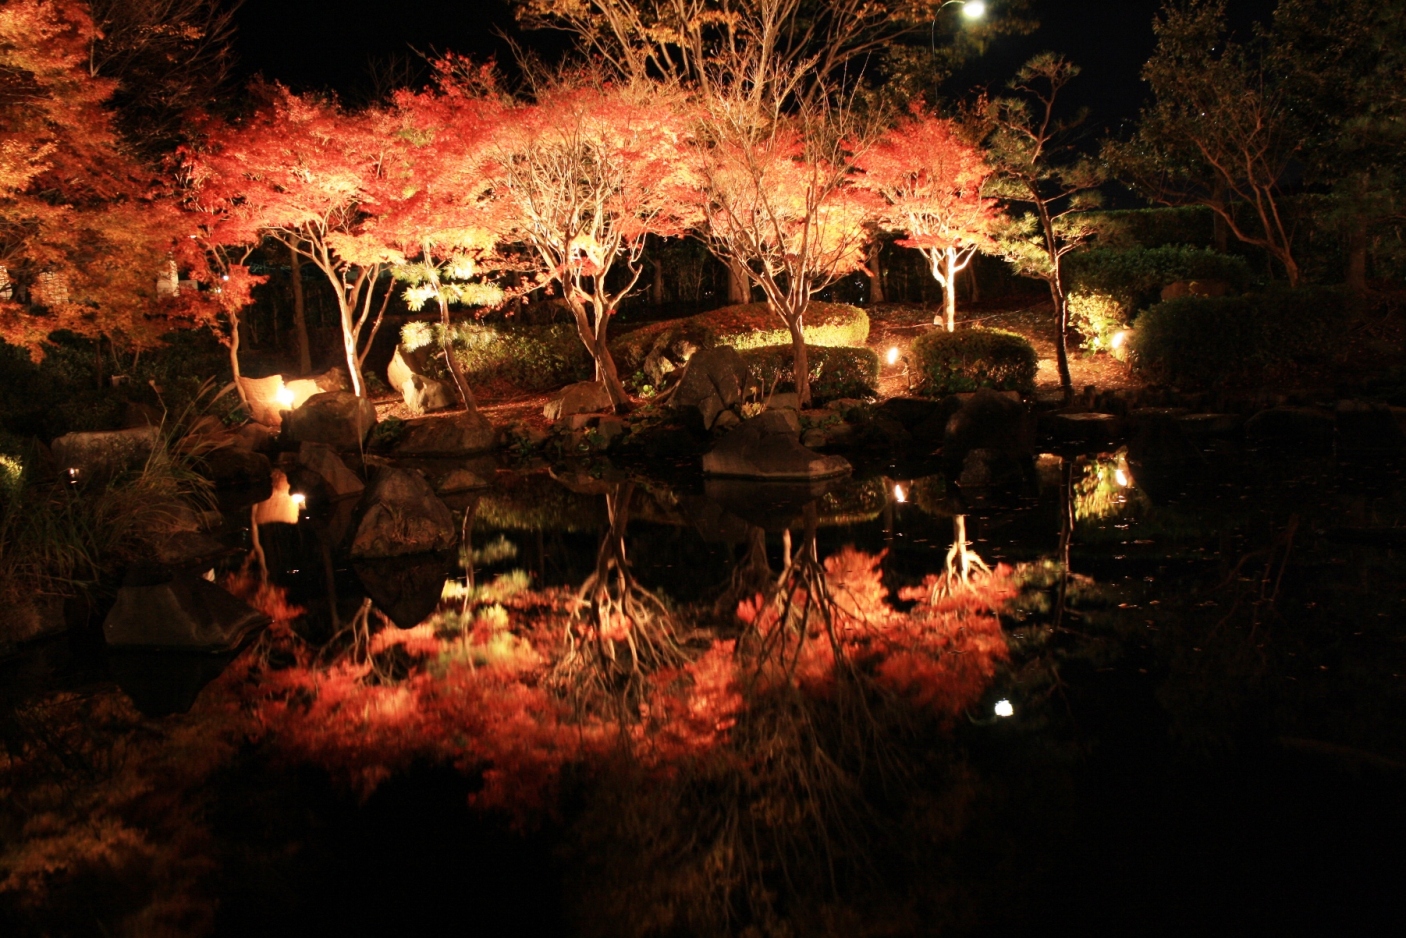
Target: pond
1192 717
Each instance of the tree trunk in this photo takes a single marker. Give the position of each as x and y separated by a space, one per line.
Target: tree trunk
974 294
739 285
234 359
1066 380
876 273
349 346
656 284
452 360
300 321
596 340
1357 256
800 361
949 288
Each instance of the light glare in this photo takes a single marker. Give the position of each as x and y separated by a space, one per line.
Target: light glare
299 499
893 355
1119 338
1004 708
974 9
1121 477
899 495
285 397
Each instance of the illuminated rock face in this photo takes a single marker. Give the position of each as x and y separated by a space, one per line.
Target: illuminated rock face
339 419
402 516
461 434
712 382
583 397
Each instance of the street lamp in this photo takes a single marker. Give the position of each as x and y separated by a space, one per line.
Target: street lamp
971 9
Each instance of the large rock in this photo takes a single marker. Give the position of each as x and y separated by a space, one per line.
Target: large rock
713 381
322 460
402 515
1086 428
232 466
34 617
333 379
426 395
338 418
583 397
157 608
404 366
767 447
988 420
1366 429
262 397
461 434
102 453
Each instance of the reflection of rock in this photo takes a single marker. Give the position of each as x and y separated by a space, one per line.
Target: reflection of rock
101 453
31 618
1196 425
1088 429
924 420
279 506
773 506
402 516
406 589
991 468
156 608
1367 429
323 461
536 502
1163 458
583 397
461 480
988 420
161 683
338 418
767 447
1291 425
461 434
713 381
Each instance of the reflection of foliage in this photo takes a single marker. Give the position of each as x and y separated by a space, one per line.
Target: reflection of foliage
930 495
1104 488
535 502
853 503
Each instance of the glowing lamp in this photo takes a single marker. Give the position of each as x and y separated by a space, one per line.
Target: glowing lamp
899 495
974 9
1120 477
1119 338
299 499
284 396
893 355
1004 709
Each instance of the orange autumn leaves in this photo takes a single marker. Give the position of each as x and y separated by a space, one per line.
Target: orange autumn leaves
475 690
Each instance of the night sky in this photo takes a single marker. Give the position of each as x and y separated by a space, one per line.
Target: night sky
328 44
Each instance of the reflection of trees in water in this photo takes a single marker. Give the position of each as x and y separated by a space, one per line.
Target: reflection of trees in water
619 628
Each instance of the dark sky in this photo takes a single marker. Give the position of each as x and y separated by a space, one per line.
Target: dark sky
329 43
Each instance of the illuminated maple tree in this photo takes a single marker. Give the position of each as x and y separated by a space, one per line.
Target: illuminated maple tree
930 179
584 175
84 231
779 203
304 172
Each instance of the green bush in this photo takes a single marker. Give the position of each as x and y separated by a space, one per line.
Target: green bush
1197 340
1136 276
953 362
748 326
535 358
835 371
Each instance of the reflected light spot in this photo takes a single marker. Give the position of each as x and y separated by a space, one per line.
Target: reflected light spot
1119 338
893 355
1121 477
899 495
1004 708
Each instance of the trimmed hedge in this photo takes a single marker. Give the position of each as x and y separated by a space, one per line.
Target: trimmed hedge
747 326
1197 340
1137 276
954 362
835 371
535 358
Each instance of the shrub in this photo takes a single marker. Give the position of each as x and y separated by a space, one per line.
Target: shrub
1155 227
835 371
952 362
1209 340
1097 317
535 358
748 326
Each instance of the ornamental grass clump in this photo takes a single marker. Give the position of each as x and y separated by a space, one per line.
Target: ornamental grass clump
955 362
